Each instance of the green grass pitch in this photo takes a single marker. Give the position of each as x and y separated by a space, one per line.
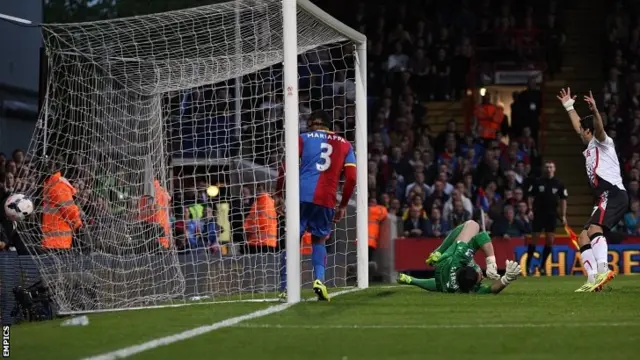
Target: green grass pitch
535 318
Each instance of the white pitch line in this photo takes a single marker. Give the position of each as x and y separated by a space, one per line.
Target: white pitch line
15 19
188 334
432 327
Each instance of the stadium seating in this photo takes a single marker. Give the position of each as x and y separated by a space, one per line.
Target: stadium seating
621 98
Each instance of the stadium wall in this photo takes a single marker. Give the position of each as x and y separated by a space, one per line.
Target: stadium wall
624 258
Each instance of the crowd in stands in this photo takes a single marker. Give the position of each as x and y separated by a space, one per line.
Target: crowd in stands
434 182
621 99
419 51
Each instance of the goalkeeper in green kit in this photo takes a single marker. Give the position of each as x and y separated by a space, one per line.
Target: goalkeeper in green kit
455 269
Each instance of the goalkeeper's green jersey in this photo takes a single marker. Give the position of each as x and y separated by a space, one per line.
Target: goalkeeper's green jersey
458 254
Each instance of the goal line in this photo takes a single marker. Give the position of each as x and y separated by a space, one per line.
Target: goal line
201 330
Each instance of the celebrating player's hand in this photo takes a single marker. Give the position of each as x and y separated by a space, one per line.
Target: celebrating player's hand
564 220
492 268
591 102
566 99
340 211
512 270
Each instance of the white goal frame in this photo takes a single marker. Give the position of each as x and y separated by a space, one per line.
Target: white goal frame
290 10
290 38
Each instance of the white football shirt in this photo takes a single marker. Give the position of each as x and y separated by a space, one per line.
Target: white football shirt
603 167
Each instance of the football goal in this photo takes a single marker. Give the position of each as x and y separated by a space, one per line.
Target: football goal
168 127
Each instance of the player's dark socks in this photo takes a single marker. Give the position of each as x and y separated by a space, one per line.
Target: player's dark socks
531 249
545 255
422 283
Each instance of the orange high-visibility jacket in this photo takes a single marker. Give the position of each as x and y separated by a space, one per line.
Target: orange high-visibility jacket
489 120
261 225
305 244
159 213
60 215
377 214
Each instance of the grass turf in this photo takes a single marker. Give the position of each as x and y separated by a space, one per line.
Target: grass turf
535 318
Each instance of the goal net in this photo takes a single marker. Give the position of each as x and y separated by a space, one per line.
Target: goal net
143 115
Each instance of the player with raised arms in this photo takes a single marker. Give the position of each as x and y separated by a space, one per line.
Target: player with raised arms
324 157
455 269
611 199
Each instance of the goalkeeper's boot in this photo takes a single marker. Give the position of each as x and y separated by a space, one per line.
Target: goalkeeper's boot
602 280
403 279
321 291
282 296
433 258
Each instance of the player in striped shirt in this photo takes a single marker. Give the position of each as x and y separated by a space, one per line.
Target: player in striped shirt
324 157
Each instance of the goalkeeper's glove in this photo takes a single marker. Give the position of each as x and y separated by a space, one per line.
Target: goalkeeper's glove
492 268
512 272
433 258
568 104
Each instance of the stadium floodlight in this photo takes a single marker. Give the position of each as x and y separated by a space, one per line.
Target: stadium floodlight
180 100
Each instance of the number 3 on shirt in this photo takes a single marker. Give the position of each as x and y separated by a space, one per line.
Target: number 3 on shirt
325 155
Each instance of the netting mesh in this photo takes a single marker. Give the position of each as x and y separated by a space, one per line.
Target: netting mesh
141 116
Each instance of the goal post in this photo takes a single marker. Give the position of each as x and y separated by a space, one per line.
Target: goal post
138 109
291 134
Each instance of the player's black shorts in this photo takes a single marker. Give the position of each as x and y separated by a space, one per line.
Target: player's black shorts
544 222
609 209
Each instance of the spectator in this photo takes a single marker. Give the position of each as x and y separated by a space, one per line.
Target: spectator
437 197
632 218
436 226
634 189
508 226
489 200
395 207
418 183
415 225
512 156
456 195
529 105
458 215
441 69
398 61
443 177
524 216
511 182
416 203
449 156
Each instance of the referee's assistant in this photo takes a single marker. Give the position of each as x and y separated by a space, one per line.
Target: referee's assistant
544 194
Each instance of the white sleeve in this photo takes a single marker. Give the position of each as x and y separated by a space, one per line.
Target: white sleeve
607 141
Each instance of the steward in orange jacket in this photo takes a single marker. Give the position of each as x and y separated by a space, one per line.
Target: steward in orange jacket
155 210
489 118
377 215
60 215
261 225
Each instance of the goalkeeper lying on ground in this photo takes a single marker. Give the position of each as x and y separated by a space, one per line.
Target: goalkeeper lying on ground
455 270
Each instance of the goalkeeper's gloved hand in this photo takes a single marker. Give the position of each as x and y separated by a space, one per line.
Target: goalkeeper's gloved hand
492 268
512 272
433 258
